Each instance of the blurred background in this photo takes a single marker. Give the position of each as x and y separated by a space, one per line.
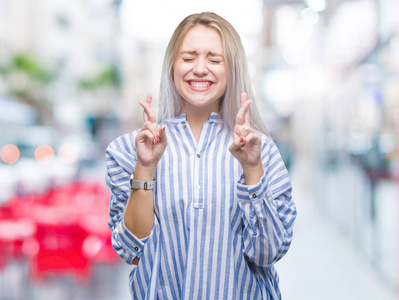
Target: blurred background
326 76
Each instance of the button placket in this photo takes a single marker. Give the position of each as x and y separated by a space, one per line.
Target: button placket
198 201
197 183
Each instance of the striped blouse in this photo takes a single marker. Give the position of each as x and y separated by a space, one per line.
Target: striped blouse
205 242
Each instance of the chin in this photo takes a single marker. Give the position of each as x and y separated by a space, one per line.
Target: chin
201 102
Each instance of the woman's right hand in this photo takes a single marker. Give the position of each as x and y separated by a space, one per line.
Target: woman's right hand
151 140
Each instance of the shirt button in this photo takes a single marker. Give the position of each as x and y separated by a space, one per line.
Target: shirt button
136 248
198 187
198 155
253 195
184 126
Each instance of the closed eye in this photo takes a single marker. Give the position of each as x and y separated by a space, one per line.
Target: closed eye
188 59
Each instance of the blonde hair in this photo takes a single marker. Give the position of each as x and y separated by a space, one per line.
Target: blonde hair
238 80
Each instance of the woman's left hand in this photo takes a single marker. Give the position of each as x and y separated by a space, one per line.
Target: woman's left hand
246 147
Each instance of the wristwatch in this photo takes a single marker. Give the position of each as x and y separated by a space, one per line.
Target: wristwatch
141 185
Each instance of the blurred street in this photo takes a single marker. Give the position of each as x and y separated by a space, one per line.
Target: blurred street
323 262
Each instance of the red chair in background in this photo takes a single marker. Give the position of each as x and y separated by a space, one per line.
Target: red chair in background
69 232
16 236
60 242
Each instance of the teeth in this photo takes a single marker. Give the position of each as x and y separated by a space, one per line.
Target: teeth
200 84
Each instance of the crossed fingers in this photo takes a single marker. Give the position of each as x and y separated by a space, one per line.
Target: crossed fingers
246 145
243 132
150 127
148 114
243 117
243 121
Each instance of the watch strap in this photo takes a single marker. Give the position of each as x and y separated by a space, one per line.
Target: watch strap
141 185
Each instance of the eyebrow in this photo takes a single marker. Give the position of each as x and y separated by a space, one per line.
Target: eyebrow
195 53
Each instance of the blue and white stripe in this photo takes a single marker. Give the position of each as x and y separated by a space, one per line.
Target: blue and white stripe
205 242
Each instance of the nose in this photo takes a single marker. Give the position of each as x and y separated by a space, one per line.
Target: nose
200 68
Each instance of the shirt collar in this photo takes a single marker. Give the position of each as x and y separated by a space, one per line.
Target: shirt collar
214 117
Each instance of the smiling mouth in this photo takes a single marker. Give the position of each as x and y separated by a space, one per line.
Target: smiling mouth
200 84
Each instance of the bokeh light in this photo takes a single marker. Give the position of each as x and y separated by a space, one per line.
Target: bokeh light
9 153
44 154
68 153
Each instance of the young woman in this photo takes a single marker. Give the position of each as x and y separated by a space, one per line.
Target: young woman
201 201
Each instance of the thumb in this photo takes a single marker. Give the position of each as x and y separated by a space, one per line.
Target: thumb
236 144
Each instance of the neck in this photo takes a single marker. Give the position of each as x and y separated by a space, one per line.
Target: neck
196 117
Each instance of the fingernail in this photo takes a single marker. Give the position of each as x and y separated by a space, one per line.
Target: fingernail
158 138
241 140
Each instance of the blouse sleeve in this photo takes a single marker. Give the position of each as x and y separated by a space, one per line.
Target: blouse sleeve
121 160
268 211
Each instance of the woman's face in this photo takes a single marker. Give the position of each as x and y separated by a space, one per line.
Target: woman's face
200 70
